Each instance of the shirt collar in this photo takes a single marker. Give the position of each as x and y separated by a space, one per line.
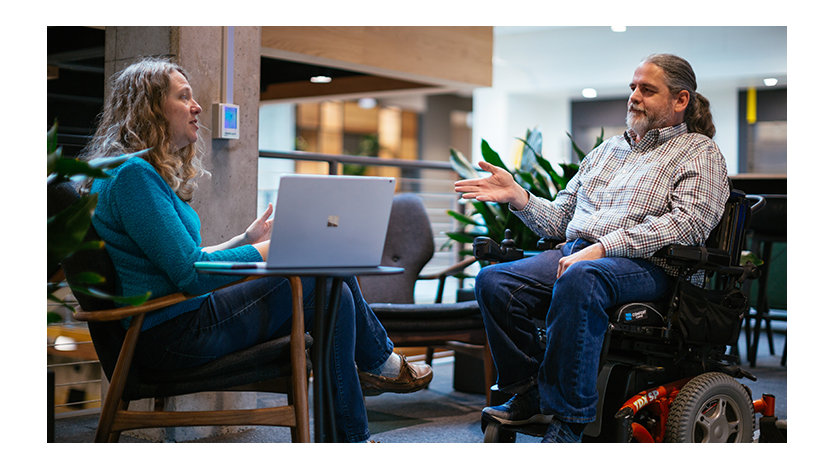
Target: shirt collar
655 137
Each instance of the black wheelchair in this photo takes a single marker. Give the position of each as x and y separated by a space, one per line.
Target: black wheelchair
668 369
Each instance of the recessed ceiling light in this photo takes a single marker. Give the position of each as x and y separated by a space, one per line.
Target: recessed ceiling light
770 81
589 93
618 29
320 79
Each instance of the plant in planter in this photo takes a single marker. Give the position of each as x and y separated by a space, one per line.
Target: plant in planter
534 174
66 229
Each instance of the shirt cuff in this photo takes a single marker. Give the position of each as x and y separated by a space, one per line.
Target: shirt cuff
529 198
614 244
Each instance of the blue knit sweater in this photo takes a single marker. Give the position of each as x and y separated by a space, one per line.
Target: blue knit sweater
153 238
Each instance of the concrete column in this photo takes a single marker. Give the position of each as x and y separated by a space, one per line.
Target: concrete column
227 201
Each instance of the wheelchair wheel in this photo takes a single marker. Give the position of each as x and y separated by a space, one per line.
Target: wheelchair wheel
494 432
712 407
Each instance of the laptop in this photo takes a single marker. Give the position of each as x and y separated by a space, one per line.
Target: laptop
326 222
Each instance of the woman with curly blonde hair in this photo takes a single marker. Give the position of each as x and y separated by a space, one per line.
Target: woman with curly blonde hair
153 238
134 120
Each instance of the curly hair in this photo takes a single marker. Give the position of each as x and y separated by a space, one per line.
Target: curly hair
133 120
680 76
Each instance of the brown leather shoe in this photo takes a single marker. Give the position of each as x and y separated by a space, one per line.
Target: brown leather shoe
412 377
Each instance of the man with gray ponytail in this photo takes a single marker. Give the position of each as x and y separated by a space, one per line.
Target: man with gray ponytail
663 181
680 77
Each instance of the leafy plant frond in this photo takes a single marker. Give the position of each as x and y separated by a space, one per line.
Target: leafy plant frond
535 173
66 230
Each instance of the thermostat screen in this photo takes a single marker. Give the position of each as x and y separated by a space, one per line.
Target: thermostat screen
230 118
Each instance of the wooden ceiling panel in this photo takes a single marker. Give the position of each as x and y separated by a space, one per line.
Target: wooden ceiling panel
448 57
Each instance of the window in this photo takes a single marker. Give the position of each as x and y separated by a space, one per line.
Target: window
588 117
763 143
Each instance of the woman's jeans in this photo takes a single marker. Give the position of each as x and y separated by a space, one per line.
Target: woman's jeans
511 295
249 313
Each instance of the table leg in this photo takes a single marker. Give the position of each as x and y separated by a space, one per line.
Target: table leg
324 419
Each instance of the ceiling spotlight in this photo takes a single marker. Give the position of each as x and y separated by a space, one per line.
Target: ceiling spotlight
618 29
770 81
320 79
589 93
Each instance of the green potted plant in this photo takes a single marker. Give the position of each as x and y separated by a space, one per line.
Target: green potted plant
67 228
534 173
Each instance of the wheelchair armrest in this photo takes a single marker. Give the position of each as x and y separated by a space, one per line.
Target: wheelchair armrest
545 244
686 255
713 259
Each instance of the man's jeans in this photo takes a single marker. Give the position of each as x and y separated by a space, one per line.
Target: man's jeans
573 308
252 312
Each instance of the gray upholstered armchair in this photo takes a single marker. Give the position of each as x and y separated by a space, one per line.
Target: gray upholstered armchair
410 245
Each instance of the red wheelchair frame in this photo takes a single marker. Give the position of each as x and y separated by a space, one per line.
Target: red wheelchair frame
657 402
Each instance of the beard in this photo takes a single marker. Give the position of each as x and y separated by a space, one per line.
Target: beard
641 120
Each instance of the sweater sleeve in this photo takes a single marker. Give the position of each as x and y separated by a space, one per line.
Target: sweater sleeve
147 208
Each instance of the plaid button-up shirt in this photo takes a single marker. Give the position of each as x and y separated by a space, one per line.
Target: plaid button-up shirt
636 198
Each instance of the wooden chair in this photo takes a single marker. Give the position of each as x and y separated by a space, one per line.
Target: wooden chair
279 365
457 326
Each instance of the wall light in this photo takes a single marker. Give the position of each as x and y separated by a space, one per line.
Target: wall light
589 93
63 343
320 79
770 81
367 103
618 29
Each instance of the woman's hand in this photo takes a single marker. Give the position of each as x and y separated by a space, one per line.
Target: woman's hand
260 230
497 187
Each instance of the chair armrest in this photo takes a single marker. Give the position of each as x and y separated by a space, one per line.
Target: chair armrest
451 270
442 275
149 306
129 311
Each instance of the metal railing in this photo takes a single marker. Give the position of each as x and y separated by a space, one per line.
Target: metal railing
335 160
71 359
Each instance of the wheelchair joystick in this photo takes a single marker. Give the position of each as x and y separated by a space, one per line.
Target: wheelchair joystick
486 249
507 243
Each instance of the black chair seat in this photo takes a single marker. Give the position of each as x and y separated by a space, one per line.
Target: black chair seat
397 312
430 317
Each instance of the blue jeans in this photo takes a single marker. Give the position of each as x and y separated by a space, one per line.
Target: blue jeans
511 295
252 312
